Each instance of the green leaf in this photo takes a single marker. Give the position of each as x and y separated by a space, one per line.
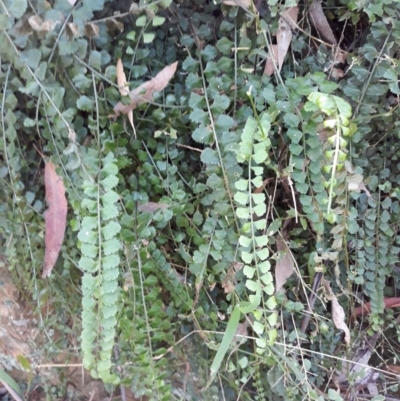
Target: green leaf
110 230
202 135
252 285
111 246
157 21
249 271
12 387
343 107
209 156
141 21
242 198
110 261
295 135
18 8
95 59
88 264
242 185
148 37
227 339
109 212
247 257
32 57
84 103
249 307
109 182
209 53
260 156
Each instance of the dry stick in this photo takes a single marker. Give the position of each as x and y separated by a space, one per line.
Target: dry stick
311 303
121 387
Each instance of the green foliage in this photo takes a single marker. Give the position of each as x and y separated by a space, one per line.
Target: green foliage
100 248
172 240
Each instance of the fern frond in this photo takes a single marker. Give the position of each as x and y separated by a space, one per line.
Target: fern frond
99 261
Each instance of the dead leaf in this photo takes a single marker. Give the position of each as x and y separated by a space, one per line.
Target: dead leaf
321 23
115 25
227 285
286 23
340 57
124 89
91 30
390 303
285 266
241 332
38 25
338 315
284 35
72 30
337 73
55 217
152 207
237 266
144 92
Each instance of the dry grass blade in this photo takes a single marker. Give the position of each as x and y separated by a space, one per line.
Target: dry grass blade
144 92
121 79
285 266
55 217
124 89
321 23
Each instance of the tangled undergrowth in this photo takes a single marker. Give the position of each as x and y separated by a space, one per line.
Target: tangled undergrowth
219 240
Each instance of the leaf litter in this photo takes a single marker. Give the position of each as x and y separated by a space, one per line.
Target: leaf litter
55 217
144 92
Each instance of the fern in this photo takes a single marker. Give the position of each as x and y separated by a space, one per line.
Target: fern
100 259
253 150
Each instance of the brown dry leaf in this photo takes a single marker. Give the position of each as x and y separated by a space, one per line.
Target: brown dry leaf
55 217
241 332
237 266
38 25
91 30
115 25
227 283
321 23
338 315
286 23
340 57
284 35
72 30
284 267
124 89
151 207
337 73
270 65
144 92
